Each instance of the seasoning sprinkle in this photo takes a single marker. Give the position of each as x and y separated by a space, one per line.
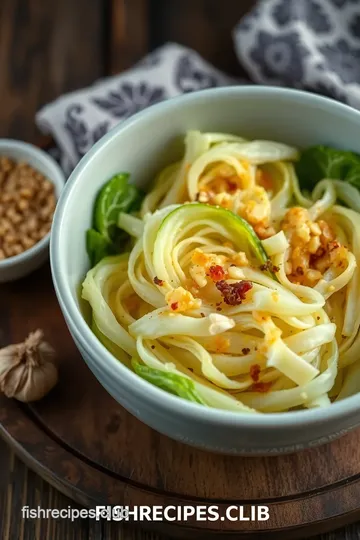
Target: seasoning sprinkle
262 387
158 281
269 266
234 293
255 371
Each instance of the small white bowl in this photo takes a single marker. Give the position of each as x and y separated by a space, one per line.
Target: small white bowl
16 267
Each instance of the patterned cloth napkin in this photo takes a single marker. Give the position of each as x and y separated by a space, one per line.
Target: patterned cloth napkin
309 44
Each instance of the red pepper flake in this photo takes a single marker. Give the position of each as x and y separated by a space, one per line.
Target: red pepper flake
218 309
174 306
314 257
333 245
255 370
262 387
234 293
202 314
217 273
232 186
153 346
318 318
158 281
245 350
269 266
300 271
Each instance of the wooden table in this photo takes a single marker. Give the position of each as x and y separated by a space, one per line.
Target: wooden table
51 47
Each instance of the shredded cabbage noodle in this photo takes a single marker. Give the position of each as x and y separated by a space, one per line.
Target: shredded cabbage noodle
240 291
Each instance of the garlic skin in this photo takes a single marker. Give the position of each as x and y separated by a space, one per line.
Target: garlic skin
28 370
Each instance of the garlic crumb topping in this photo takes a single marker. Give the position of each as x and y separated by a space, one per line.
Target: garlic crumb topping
207 259
222 187
181 300
219 323
202 264
313 248
221 344
198 274
240 259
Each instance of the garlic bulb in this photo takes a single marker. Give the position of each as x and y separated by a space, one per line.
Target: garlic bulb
28 370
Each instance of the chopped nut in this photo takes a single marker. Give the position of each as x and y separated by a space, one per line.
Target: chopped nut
27 242
8 250
5 226
9 239
32 224
26 192
23 204
45 212
14 217
27 204
52 202
45 229
17 249
47 186
6 164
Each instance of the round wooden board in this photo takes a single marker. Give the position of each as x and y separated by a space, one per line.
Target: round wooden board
81 441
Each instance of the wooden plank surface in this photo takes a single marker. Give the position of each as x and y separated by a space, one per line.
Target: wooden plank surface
203 25
46 49
128 34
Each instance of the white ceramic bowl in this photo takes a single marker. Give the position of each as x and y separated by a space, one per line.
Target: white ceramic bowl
16 267
142 145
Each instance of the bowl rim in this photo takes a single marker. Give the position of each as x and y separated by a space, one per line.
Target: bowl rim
57 178
105 361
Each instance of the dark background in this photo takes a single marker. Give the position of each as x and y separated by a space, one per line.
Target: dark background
48 47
